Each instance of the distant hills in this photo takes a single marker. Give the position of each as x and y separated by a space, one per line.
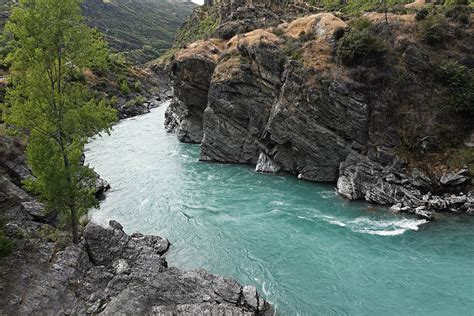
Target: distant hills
141 29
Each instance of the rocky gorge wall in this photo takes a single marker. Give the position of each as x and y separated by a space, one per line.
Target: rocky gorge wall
275 97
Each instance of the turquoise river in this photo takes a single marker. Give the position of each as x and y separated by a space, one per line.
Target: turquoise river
309 251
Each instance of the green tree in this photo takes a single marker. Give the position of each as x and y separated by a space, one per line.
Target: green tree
51 102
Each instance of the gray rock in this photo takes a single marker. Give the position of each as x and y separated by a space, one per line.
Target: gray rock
105 245
112 273
250 296
240 100
396 208
191 70
266 165
454 178
423 212
419 179
362 178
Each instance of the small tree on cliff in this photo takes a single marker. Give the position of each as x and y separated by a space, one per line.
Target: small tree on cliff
50 100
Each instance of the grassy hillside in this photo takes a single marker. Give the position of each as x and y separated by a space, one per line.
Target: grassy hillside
141 29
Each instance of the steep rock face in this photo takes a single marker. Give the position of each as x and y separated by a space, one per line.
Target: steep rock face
241 96
303 121
192 70
315 124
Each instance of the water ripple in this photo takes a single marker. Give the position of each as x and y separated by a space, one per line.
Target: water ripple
309 251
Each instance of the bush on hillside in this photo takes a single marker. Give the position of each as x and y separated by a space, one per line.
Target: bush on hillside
460 83
361 24
421 14
137 101
456 2
6 247
124 87
359 46
339 33
433 30
458 14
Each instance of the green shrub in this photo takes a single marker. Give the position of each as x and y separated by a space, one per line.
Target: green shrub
139 100
6 246
433 30
359 46
421 14
137 86
458 14
154 90
48 233
361 24
124 88
460 83
339 33
113 101
456 2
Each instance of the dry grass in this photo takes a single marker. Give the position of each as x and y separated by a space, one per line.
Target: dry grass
380 17
322 25
90 76
416 4
317 54
210 49
252 38
227 68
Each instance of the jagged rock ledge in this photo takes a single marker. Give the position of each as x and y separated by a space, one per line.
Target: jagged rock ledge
112 273
363 178
129 274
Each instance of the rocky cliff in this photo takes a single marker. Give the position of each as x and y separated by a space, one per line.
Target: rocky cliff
296 95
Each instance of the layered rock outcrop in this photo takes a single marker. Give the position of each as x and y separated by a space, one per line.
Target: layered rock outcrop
194 68
277 99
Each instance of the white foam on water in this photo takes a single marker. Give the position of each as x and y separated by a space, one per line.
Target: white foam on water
380 227
382 232
328 194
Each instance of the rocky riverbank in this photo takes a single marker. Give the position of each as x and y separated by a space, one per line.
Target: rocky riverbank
109 272
277 97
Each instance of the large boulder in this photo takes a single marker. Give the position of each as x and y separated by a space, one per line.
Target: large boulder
362 178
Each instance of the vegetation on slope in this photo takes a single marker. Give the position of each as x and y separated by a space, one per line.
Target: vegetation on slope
142 30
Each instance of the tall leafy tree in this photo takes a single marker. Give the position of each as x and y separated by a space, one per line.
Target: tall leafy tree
51 102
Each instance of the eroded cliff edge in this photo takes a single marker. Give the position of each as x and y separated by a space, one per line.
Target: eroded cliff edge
278 98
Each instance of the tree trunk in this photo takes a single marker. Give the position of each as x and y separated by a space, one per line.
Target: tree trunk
72 204
74 224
